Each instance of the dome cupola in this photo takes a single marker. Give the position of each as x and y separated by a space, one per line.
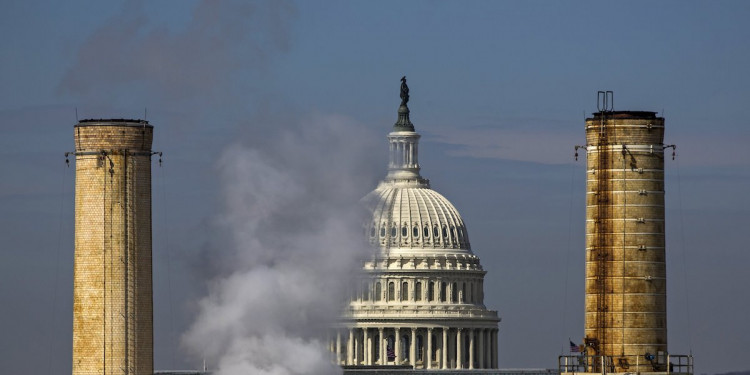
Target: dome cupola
408 215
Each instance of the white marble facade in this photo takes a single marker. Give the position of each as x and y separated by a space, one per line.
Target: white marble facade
421 300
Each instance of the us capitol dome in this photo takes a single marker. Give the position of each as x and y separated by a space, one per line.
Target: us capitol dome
421 301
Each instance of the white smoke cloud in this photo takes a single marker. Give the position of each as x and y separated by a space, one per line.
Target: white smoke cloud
130 57
292 212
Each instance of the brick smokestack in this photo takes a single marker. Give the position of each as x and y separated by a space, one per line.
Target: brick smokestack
112 297
626 290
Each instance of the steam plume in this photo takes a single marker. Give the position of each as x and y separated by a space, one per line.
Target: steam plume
291 212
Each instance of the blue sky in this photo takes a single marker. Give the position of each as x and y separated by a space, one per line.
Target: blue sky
499 93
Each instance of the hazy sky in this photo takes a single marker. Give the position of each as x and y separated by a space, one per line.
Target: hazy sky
499 91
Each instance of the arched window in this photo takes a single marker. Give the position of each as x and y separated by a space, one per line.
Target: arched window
393 231
378 292
445 233
372 231
426 232
404 291
435 231
430 291
454 293
404 231
418 291
382 231
415 232
442 291
391 291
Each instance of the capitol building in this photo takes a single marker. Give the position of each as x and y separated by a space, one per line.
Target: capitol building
421 300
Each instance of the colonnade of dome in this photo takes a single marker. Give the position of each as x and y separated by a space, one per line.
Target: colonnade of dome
422 346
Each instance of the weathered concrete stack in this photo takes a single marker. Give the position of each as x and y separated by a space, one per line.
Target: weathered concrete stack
113 303
625 259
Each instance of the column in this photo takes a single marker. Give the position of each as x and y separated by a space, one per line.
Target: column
390 153
399 155
413 347
480 349
445 348
403 153
365 346
397 344
338 347
411 154
381 346
459 351
428 356
350 348
471 348
408 154
488 347
494 348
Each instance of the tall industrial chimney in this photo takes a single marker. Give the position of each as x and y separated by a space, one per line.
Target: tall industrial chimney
112 296
626 313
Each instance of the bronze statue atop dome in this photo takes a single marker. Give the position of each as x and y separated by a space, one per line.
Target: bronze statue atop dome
404 91
403 123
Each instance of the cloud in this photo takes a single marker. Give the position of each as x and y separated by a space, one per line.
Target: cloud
546 144
222 39
534 145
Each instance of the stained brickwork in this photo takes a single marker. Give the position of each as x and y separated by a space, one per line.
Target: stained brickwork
625 247
113 302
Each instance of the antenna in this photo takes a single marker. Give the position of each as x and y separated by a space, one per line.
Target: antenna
605 101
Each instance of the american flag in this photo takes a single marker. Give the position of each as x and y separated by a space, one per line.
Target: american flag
390 353
574 348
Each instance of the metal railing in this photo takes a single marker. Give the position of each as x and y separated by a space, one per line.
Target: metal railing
393 370
661 363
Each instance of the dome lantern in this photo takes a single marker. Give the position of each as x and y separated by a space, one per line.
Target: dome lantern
403 145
